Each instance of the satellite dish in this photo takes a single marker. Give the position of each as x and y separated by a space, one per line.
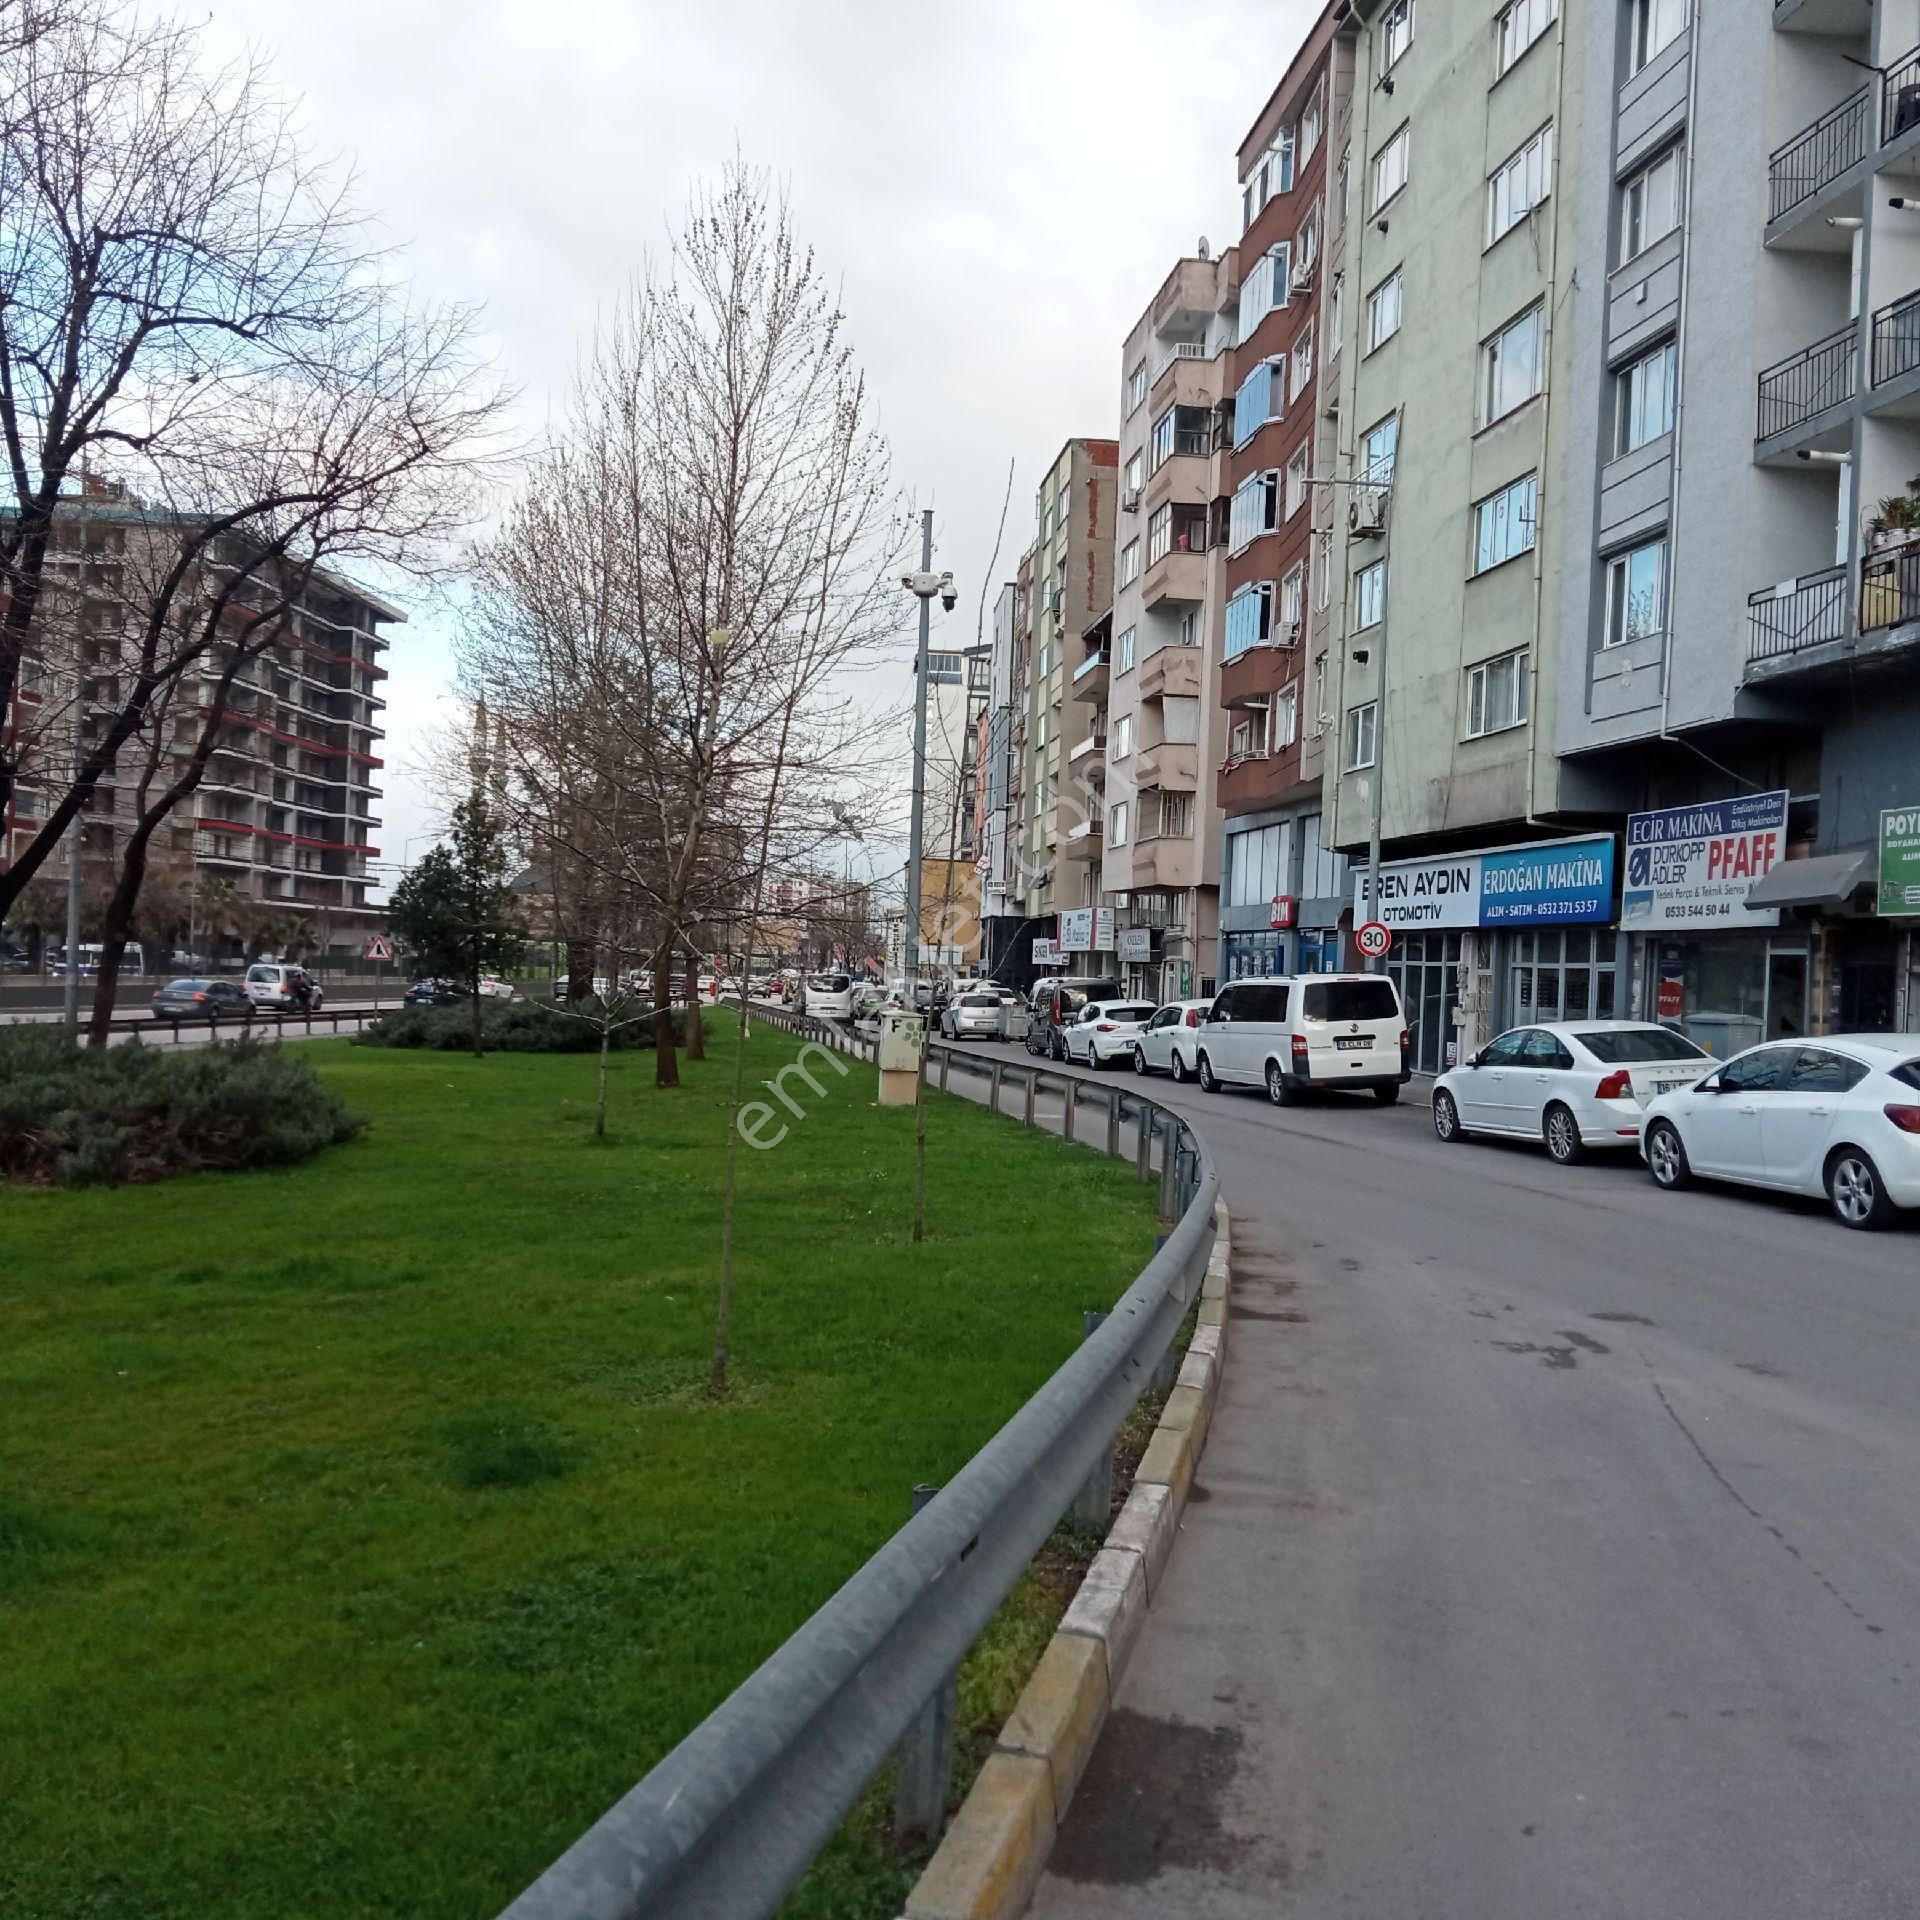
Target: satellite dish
1206 252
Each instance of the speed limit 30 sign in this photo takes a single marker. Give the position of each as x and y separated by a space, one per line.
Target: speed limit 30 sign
1373 939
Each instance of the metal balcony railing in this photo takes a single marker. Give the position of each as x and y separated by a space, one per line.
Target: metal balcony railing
1178 350
1797 614
1896 339
1890 587
1823 375
1820 154
1900 96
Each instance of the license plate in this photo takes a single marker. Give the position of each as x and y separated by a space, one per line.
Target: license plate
1353 1043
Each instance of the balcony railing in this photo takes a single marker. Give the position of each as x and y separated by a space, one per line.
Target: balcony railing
1818 377
1896 339
1890 587
1178 350
1797 614
1900 96
1820 155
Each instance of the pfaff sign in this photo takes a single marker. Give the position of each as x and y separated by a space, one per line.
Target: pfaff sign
1694 866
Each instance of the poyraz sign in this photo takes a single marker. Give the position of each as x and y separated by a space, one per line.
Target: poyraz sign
1546 883
1693 866
1900 861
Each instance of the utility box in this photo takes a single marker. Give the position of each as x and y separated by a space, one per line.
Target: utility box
903 1040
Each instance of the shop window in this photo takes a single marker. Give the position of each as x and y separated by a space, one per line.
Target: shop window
1560 973
1426 969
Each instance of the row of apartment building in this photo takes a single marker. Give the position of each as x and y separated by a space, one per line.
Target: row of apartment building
1532 491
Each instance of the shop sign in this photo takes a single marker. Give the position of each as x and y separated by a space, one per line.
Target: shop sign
1546 883
1693 866
1136 944
1045 952
1281 912
1900 860
1086 930
1670 999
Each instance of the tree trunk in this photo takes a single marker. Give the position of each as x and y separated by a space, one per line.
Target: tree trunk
115 931
666 1064
696 1027
475 1015
600 1106
579 969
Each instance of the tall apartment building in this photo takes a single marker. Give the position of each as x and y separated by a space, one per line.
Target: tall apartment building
1072 568
284 814
1153 662
1282 886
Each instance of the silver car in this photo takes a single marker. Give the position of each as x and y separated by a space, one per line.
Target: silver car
973 1015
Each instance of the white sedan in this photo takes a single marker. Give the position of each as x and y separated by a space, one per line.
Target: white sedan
1167 1042
1839 1115
1105 1031
1573 1084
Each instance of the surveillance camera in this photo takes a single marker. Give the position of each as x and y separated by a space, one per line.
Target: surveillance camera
949 593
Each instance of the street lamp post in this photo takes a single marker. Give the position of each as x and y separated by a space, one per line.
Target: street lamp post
924 585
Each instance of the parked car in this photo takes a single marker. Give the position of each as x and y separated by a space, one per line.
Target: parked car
1106 1031
1058 1001
282 988
201 1000
1293 1033
1168 1041
828 996
435 993
1575 1084
1839 1115
973 1015
495 989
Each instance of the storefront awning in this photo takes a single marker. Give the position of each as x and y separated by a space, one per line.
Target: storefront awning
1827 880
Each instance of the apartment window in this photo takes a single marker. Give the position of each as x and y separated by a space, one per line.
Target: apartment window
1646 394
1256 502
1265 287
1511 366
1273 175
1261 398
1323 572
1497 694
1303 360
1370 595
1318 717
1122 737
1306 243
1336 301
1396 34
1125 648
1344 187
1135 466
1137 386
943 669
1520 24
26 803
1297 482
1383 311
1312 119
1181 430
1284 726
1503 524
1117 824
1160 534
1652 27
1043 660
1130 563
1176 816
1189 628
1379 447
1040 730
1520 185
1249 738
1292 603
1637 593
1650 204
1249 618
1363 731
1390 169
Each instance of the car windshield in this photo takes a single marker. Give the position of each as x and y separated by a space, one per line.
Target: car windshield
1135 1013
1350 1000
980 1000
188 986
1620 1049
267 974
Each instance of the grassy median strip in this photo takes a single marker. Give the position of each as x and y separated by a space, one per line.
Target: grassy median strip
364 1527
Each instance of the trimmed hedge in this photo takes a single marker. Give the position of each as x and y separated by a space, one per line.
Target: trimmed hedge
506 1026
78 1117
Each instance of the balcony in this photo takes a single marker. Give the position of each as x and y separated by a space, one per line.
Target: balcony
1170 671
1253 676
1173 765
1177 578
1896 340
1849 19
1178 350
1166 860
1089 759
1811 627
1797 391
1091 678
1085 841
1819 156
1797 614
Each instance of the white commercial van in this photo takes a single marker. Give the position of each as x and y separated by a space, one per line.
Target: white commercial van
1289 1033
829 996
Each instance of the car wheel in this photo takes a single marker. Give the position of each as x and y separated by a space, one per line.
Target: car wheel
1562 1134
1140 1062
1446 1118
1277 1089
1388 1095
1858 1193
1176 1068
1208 1084
1667 1157
1058 1049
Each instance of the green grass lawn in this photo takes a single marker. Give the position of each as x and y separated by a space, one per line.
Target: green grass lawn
364 1527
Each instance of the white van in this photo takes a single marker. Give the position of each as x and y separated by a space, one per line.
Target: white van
829 996
1291 1032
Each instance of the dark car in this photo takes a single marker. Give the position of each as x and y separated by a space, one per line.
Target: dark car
1056 1002
435 993
201 1000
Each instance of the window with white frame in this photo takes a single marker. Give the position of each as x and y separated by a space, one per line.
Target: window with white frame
1123 649
1117 824
1336 301
1383 311
1248 740
1176 816
1645 397
1120 741
1652 27
1130 563
1396 34
1317 716
1284 727
1292 598
1390 168
1370 595
1306 242
1256 503
1497 694
1520 24
1302 360
1637 593
1312 122
1379 448
1297 474
1262 396
1503 524
1249 618
1323 572
1137 386
1135 465
1264 289
1520 185
1363 732
1160 534
1040 729
1273 174
1189 628
1650 203
1512 366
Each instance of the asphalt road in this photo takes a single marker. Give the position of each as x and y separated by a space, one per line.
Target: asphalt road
1554 1553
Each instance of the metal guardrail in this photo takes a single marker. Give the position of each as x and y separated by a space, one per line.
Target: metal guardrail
1819 154
244 1026
1806 612
728 1822
1896 338
1890 587
1900 97
1817 377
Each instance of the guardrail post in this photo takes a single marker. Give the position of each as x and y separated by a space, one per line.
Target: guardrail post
993 1092
925 1772
946 1066
1167 1174
1143 1144
1093 1504
1113 1124
1071 1107
1026 1118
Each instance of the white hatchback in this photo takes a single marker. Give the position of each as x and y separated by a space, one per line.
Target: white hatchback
1575 1084
1106 1031
1167 1042
1839 1115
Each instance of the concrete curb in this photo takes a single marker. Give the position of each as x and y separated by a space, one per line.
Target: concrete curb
991 1859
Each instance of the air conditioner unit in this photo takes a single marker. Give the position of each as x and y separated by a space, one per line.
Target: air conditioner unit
1290 634
1367 515
1130 500
1301 278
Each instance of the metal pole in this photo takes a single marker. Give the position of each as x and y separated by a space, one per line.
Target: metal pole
1093 1504
1378 961
914 830
925 1772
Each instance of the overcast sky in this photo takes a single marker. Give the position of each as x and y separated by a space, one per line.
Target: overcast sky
999 188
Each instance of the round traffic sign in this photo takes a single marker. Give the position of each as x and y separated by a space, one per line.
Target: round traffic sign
1373 939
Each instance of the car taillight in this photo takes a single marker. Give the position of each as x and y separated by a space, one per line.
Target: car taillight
1104 1026
199 996
1406 1043
1907 1119
1300 1050
1616 1086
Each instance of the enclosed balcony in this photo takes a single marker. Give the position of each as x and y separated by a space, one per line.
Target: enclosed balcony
1092 678
1173 766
